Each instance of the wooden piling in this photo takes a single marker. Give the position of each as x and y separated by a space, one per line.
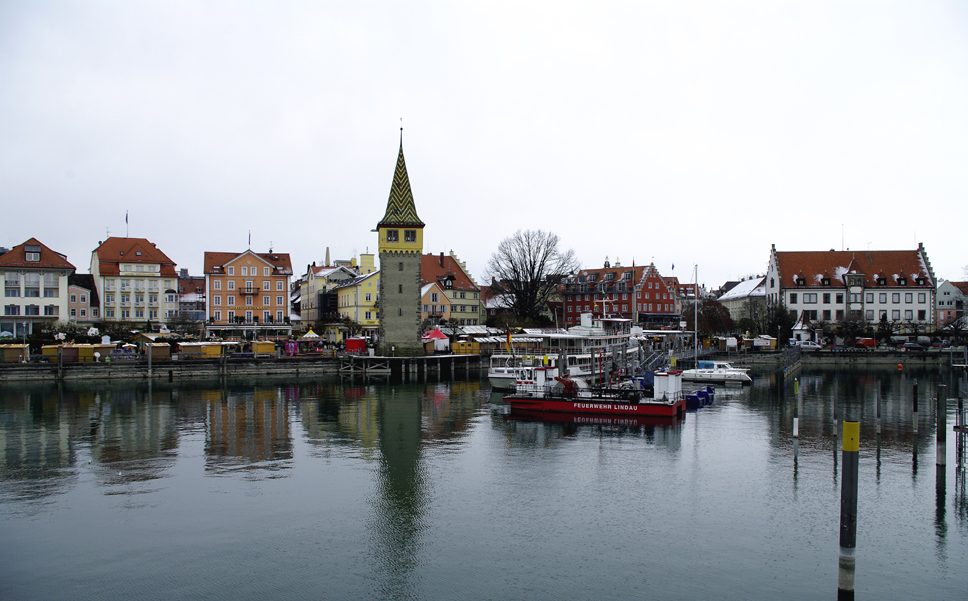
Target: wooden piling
915 410
942 410
796 408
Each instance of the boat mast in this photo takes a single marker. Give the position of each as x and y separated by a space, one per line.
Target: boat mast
695 316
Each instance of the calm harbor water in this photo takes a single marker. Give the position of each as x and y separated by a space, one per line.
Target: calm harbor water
330 489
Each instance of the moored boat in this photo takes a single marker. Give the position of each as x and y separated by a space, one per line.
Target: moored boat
717 372
566 395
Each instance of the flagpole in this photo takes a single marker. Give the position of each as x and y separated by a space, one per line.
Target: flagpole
125 224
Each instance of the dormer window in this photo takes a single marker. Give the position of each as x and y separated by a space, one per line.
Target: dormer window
609 277
881 281
902 281
801 282
920 281
32 253
825 281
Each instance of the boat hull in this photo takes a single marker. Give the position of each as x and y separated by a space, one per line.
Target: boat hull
596 406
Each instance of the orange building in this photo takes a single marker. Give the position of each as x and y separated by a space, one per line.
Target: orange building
247 295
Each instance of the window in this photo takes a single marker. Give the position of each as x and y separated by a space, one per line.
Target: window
265 284
870 314
12 292
230 270
217 300
409 236
73 298
855 297
265 272
826 298
83 298
793 298
896 297
248 301
922 314
231 316
139 313
810 298
434 297
400 288
231 284
870 297
368 314
265 301
11 310
248 317
908 314
400 266
922 298
908 297
279 300
230 300
883 314
266 317
153 299
399 312
896 314
826 314
125 299
840 298
245 270
369 297
216 284
125 314
83 312
279 317
393 235
218 315
882 297
109 313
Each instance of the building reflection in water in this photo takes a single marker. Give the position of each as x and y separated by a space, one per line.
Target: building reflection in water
247 426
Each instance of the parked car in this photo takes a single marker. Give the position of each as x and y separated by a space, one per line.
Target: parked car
941 344
912 346
866 342
809 345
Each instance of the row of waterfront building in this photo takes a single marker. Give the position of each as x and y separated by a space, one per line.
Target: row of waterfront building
251 294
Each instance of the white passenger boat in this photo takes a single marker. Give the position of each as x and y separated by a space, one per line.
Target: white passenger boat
599 347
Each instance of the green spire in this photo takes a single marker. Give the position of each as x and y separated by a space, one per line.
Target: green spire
400 207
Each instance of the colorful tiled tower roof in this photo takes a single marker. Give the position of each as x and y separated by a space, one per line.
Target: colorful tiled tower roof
400 207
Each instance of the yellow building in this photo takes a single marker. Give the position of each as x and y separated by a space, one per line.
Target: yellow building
359 302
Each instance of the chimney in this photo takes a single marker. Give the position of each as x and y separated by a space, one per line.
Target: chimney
441 258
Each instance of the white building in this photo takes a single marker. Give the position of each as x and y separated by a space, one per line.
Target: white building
34 287
135 280
897 286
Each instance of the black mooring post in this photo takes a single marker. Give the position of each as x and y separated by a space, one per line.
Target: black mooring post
848 509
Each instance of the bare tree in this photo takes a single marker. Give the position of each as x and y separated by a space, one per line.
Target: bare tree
528 267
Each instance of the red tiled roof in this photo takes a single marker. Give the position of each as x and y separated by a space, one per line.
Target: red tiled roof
114 251
434 267
215 262
963 286
815 266
49 259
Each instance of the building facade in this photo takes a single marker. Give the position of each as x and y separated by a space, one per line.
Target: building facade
637 293
463 294
83 305
136 281
35 288
400 242
951 302
870 286
247 295
359 303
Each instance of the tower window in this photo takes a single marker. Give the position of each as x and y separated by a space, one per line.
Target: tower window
400 288
401 265
393 235
409 235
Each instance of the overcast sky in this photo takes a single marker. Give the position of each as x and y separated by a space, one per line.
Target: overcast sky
676 132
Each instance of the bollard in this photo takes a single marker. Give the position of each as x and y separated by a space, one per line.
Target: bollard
942 423
848 510
796 408
915 412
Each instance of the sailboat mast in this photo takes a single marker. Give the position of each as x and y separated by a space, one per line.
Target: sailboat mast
695 315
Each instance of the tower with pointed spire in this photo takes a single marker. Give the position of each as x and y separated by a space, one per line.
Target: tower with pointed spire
400 247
